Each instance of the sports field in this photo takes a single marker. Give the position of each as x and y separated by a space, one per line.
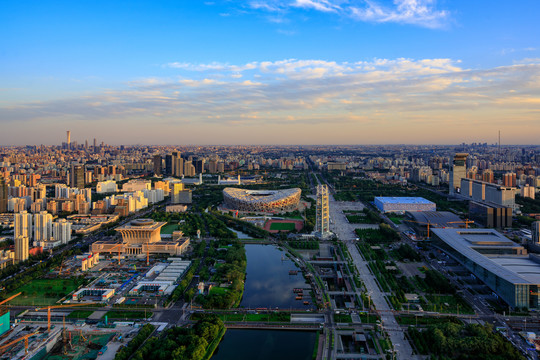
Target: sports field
282 226
169 228
275 226
44 291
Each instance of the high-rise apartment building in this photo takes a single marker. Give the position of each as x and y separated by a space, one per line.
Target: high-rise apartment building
22 244
42 226
322 226
23 225
458 171
62 231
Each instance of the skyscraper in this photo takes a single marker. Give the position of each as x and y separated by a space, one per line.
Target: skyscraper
322 226
3 195
21 248
157 164
69 139
458 171
23 225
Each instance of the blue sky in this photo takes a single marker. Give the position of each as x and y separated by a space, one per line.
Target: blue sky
221 71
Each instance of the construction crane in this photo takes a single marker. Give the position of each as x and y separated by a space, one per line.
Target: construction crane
25 338
58 307
467 222
9 298
420 222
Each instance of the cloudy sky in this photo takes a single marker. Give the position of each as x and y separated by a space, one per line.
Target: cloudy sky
270 71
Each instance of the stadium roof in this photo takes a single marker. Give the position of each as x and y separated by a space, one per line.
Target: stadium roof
516 269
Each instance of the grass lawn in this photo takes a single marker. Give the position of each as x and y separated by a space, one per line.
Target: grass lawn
438 303
272 317
169 228
395 220
79 314
425 320
218 290
282 226
113 314
342 318
44 291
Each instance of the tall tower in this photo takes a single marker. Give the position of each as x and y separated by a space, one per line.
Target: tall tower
458 171
322 226
69 139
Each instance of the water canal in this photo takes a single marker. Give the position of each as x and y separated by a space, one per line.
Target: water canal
239 344
271 278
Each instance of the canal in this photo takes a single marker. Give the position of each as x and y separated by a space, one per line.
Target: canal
239 344
271 278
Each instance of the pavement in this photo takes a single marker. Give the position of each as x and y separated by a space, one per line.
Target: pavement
345 232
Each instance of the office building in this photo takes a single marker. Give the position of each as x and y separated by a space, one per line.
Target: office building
42 226
458 171
68 139
169 165
504 266
3 194
22 225
77 174
322 224
482 191
490 215
157 165
22 244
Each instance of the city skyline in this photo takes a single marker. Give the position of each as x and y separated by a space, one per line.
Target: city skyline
270 72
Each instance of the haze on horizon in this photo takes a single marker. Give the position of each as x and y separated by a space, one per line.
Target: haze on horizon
270 72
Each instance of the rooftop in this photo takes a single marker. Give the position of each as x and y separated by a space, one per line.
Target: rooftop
402 200
516 269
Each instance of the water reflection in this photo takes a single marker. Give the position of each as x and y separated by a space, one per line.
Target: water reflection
266 345
268 283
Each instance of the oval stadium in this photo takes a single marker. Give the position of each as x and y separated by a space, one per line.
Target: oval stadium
261 200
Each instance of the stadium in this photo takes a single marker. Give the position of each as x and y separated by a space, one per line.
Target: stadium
261 200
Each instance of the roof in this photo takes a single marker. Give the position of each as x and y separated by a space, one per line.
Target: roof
260 196
402 200
516 269
436 218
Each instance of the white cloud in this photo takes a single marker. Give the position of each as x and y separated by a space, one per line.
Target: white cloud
416 12
307 92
